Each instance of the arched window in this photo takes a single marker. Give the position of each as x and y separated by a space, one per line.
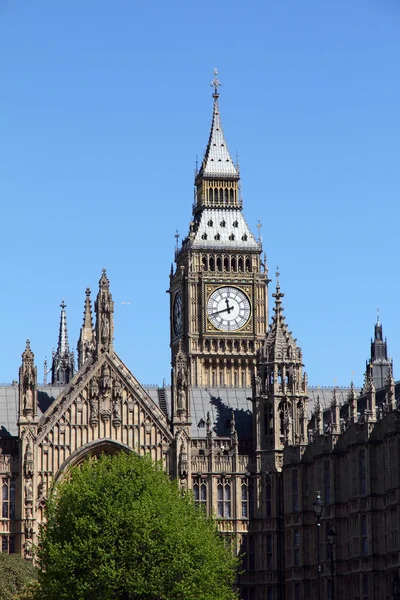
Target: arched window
210 194
211 263
221 195
216 195
207 346
204 262
231 196
219 263
248 264
226 263
240 264
200 492
233 263
224 499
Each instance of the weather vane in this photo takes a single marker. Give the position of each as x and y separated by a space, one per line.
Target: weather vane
215 84
277 274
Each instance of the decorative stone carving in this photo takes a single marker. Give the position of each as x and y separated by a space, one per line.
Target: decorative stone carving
27 383
104 307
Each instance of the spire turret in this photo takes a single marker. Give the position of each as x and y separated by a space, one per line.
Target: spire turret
217 179
27 385
104 307
87 333
379 364
63 366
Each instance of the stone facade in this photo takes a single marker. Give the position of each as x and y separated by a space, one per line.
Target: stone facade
235 426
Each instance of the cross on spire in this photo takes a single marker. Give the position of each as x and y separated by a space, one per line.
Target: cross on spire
215 84
259 226
177 238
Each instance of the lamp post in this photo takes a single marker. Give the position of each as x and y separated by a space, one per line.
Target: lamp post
318 507
330 540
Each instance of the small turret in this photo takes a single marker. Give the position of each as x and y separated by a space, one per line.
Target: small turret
104 308
63 367
86 342
352 404
379 363
27 385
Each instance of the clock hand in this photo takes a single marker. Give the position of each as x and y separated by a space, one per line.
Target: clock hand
228 308
223 310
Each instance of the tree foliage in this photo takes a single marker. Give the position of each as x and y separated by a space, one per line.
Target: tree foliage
118 528
16 575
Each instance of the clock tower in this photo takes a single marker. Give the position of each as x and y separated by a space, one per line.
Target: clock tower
218 287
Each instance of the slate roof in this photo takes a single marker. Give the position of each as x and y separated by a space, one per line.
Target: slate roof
220 403
9 405
217 160
224 229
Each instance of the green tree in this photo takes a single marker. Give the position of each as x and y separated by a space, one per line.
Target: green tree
16 575
118 528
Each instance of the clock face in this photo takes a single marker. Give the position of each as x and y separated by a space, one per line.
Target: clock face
228 308
177 314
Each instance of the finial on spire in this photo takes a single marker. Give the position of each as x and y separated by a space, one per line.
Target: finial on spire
215 84
277 275
377 315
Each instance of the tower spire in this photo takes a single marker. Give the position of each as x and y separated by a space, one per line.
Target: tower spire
63 367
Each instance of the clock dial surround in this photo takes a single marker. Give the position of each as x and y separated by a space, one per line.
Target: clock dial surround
177 314
228 308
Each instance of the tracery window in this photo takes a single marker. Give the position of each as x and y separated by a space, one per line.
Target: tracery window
200 492
364 535
270 556
248 548
8 499
224 499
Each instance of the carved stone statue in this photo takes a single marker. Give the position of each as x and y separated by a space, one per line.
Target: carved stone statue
105 329
28 488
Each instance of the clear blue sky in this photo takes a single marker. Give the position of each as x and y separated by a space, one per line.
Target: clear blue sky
103 108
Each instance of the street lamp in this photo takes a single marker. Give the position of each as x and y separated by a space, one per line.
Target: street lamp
318 507
330 540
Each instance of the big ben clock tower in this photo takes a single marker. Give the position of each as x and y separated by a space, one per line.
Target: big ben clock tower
218 289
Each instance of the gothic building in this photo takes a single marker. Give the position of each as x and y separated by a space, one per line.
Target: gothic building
239 425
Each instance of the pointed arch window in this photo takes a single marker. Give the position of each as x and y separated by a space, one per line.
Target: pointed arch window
224 499
231 237
215 194
231 196
223 223
270 555
248 549
204 236
244 238
200 492
364 535
235 224
8 499
210 223
217 237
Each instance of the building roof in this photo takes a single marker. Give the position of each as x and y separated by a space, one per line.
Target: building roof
217 161
224 229
220 403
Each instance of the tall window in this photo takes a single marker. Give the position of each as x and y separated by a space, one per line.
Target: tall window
248 593
296 546
364 535
295 491
365 594
200 492
327 482
296 591
224 499
8 499
362 474
248 548
268 499
270 593
270 559
247 495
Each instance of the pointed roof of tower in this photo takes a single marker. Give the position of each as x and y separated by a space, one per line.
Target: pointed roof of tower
217 161
63 333
279 339
87 326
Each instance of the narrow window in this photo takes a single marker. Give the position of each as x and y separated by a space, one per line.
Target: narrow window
4 497
296 545
327 482
245 502
364 535
270 563
363 478
295 491
269 500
